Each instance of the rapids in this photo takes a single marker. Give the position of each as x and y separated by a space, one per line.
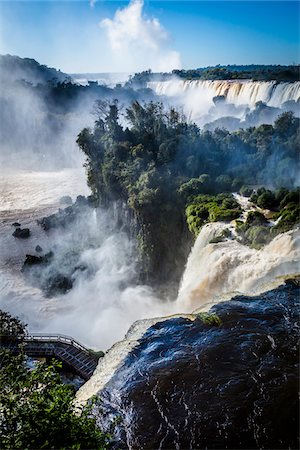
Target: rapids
217 270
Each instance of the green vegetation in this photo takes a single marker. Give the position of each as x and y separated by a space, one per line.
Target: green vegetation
225 234
207 208
10 327
97 353
37 409
14 67
159 166
246 191
210 319
285 207
229 72
253 72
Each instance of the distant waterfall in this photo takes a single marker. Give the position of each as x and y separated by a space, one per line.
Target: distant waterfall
216 270
236 91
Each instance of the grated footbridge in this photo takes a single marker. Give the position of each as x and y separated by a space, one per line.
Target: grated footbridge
64 348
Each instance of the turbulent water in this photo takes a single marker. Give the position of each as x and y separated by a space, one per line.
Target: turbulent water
215 270
197 96
237 92
104 301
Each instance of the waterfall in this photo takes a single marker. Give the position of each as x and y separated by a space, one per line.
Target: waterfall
237 92
214 271
196 96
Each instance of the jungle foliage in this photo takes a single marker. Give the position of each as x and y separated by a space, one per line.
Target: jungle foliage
255 72
158 163
37 409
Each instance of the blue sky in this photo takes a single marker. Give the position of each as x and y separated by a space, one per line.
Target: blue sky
77 37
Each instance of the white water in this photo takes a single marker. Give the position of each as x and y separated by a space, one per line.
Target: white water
103 304
100 308
214 272
197 95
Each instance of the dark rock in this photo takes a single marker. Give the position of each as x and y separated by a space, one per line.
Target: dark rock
57 284
66 216
66 200
228 380
22 233
33 260
38 249
16 224
81 200
42 272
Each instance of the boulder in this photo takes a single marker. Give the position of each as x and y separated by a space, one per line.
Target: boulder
38 249
42 272
22 233
16 224
57 284
33 260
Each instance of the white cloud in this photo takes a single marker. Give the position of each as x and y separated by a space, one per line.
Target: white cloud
137 42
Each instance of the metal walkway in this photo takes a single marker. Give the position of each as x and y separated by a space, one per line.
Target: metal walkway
64 348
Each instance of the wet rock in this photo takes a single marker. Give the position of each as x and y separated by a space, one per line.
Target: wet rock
57 284
228 379
81 200
16 224
43 272
66 216
33 260
22 233
38 249
66 200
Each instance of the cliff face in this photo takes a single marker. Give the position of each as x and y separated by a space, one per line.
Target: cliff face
228 380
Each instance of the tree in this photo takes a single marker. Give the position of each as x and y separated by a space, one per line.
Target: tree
36 409
266 200
11 327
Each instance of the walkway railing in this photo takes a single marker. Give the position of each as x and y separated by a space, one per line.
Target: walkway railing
44 337
65 348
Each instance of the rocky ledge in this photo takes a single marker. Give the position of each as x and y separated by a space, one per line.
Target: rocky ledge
227 379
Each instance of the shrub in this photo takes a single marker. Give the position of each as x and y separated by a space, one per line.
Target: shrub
256 218
246 191
207 208
258 236
223 215
10 327
38 411
291 197
210 319
266 200
224 183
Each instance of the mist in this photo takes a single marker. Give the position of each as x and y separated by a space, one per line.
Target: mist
106 297
40 123
230 104
34 137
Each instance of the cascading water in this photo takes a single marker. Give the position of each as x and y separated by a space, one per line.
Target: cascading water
217 270
213 272
196 96
237 92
